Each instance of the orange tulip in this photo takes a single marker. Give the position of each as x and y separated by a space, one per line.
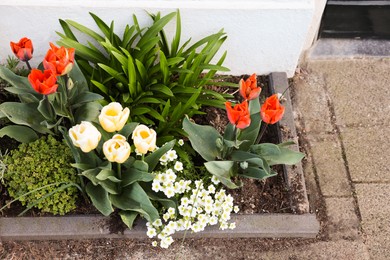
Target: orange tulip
239 114
249 89
23 49
43 82
59 59
272 111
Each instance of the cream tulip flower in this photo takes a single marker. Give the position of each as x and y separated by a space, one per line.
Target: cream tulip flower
85 135
117 149
113 117
144 139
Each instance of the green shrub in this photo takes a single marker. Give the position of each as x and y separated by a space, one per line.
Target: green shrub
159 80
39 163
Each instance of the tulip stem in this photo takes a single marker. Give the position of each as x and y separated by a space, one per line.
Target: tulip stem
28 65
119 174
261 133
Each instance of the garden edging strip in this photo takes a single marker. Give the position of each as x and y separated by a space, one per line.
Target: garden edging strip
300 224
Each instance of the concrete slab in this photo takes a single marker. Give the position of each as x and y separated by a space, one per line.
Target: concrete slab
330 166
349 48
374 206
310 100
367 153
343 221
359 89
83 227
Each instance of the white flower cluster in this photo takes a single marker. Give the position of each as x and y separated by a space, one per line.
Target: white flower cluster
167 181
200 208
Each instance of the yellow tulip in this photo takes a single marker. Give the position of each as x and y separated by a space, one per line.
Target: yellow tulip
113 117
117 149
144 139
85 135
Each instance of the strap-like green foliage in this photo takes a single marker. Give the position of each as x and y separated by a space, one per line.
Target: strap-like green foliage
25 177
158 79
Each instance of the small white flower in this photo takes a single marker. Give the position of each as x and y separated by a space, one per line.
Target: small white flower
164 158
224 226
172 155
211 189
215 180
170 192
156 186
244 165
178 166
184 201
151 232
181 142
171 211
166 217
154 243
236 209
213 220
157 223
232 225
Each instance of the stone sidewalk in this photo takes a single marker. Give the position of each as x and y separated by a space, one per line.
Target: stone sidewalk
343 111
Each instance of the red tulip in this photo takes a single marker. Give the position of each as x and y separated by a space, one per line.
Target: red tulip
43 82
239 114
23 49
59 59
249 89
272 111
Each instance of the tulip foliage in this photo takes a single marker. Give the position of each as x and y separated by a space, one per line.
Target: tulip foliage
119 174
237 153
56 96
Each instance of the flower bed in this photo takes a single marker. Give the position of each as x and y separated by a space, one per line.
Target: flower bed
124 114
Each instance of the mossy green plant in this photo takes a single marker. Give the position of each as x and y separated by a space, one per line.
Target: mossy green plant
37 164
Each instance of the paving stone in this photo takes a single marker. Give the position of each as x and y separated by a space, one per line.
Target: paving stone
342 249
311 102
329 163
373 200
367 152
343 221
359 89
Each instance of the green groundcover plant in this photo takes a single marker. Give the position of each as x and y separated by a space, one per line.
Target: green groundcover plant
131 162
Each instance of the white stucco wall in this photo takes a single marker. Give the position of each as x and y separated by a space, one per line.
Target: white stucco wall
263 35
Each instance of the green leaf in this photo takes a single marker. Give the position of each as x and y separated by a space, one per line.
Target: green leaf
100 86
85 30
46 109
176 40
20 133
134 198
155 29
99 198
159 196
163 89
107 174
134 175
275 154
250 133
223 170
24 114
128 217
153 158
256 173
87 112
128 129
78 78
116 74
203 139
85 97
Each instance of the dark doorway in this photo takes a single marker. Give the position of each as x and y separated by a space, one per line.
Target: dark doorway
367 19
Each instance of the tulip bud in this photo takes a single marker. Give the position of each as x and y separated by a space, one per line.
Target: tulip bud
144 139
117 149
85 135
23 49
113 117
